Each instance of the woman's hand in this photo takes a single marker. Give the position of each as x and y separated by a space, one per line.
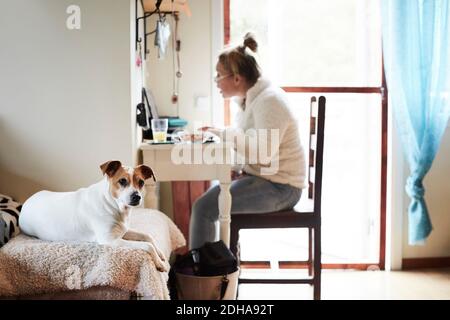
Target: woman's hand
208 128
212 130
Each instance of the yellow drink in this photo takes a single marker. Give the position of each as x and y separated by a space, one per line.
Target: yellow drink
159 136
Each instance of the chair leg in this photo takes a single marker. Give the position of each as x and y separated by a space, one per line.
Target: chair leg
238 259
237 285
234 238
310 246
317 263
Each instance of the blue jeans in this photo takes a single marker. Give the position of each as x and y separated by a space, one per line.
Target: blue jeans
250 194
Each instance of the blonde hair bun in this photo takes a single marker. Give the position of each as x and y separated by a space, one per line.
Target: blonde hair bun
250 42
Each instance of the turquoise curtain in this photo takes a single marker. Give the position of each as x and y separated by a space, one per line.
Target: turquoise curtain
416 39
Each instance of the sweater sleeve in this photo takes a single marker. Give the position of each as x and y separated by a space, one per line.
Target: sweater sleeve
261 143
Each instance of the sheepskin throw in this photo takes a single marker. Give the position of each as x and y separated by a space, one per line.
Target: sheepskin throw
31 266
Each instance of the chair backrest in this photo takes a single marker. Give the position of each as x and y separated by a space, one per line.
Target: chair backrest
316 139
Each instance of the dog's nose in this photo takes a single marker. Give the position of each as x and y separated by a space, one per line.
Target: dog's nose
135 197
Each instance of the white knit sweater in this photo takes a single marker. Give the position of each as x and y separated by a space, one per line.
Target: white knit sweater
266 107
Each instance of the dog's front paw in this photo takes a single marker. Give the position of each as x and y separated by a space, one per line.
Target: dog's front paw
160 254
158 258
163 267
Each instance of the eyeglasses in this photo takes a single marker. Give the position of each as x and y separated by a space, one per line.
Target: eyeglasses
220 78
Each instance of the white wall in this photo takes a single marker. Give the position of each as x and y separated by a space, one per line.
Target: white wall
195 54
64 95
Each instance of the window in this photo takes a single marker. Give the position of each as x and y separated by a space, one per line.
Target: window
331 48
322 43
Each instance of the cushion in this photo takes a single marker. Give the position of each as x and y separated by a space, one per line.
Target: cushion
9 218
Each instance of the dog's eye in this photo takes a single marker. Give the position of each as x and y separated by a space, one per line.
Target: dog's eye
141 183
123 182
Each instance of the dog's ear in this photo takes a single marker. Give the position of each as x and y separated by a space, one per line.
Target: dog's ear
146 172
110 167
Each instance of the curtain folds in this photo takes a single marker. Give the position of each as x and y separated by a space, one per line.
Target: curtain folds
416 39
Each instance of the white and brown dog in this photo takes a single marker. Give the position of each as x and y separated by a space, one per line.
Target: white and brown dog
98 213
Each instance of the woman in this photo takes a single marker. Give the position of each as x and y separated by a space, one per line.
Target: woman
270 183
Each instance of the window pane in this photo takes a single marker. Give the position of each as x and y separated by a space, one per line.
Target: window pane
351 178
321 43
351 184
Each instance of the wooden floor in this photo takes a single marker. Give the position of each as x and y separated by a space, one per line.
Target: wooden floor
357 285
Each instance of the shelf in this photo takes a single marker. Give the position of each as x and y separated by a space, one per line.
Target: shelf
166 6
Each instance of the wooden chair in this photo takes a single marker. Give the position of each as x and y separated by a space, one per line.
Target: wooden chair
306 214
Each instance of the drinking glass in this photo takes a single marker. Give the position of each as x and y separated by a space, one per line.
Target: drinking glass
159 129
